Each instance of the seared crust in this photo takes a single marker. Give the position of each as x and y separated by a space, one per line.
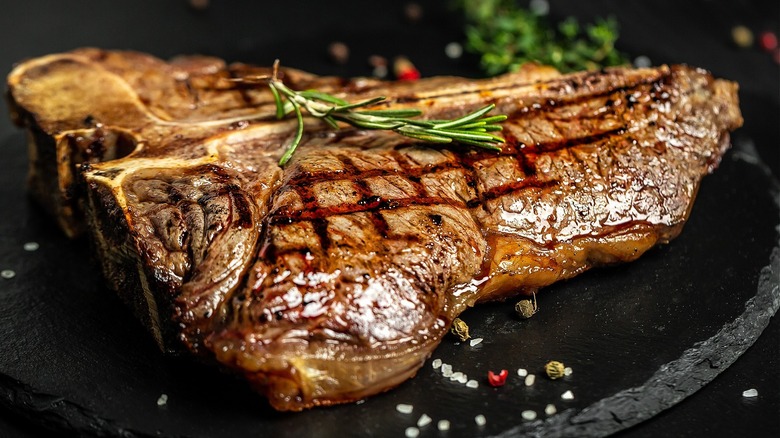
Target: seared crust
335 277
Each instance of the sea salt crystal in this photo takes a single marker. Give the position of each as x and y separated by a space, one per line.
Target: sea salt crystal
529 415
567 371
436 363
522 372
456 376
750 393
412 432
463 378
163 400
453 50
642 61
446 369
530 379
550 409
472 383
404 408
568 395
31 246
480 420
7 274
443 425
424 420
475 341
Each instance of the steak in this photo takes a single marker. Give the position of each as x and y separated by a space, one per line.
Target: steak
334 277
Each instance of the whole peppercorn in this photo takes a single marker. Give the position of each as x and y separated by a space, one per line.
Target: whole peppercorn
554 369
460 329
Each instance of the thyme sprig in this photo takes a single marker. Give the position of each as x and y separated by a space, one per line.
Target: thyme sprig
474 129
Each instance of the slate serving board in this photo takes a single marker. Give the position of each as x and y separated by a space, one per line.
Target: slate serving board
640 337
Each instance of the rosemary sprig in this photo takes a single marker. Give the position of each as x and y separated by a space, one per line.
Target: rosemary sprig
473 129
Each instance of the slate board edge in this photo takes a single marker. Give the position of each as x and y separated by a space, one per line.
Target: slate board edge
672 383
682 377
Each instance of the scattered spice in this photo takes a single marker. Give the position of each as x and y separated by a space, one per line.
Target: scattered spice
460 329
472 384
446 369
529 415
31 246
554 369
527 308
522 372
530 379
413 12
443 425
404 70
412 432
163 400
480 420
404 408
567 371
475 342
436 363
568 395
7 274
768 41
338 52
424 420
497 379
642 61
742 36
453 50
750 393
199 4
550 409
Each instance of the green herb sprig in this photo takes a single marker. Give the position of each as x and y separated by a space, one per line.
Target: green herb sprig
473 129
506 36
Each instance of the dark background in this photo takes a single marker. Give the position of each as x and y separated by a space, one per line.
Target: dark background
695 32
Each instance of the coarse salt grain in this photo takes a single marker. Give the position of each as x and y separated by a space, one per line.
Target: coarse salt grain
530 379
412 432
463 379
163 400
404 408
31 246
7 274
424 420
446 373
456 375
472 383
436 363
443 425
475 341
550 409
529 415
568 395
453 50
750 393
567 371
642 61
446 368
522 372
480 420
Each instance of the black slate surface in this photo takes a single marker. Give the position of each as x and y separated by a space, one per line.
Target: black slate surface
640 337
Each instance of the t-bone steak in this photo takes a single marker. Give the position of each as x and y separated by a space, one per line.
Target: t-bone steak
334 277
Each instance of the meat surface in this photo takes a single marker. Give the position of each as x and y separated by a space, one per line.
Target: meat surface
335 277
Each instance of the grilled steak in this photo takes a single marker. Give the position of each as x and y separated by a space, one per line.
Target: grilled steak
334 278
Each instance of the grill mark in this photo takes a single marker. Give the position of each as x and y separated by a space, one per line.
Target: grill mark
284 217
537 106
524 155
367 198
